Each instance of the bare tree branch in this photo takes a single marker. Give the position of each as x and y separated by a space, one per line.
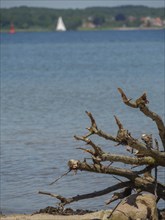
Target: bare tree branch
97 149
144 153
99 168
110 189
61 198
128 160
94 130
143 183
141 104
124 137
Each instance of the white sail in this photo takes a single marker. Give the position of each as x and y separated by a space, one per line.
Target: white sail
60 25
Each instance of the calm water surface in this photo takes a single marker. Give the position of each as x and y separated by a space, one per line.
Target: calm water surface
48 80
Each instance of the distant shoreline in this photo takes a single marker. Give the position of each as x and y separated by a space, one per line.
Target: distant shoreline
123 29
90 29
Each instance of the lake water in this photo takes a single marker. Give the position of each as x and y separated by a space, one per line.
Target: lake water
48 81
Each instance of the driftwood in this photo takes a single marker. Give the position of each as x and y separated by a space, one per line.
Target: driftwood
144 152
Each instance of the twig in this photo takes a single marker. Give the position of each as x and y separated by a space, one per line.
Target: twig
117 179
60 177
61 198
114 209
156 182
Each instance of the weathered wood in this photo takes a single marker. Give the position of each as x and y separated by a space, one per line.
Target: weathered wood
143 183
97 168
110 189
128 160
144 153
141 104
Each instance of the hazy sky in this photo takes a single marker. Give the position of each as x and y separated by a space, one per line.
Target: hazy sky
79 3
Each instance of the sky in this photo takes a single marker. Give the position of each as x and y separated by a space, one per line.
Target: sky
63 4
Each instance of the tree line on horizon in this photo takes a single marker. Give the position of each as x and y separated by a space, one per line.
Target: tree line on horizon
33 18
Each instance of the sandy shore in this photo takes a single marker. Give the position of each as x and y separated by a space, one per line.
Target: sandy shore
91 216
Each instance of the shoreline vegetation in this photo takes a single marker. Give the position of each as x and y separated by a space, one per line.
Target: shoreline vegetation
94 18
88 29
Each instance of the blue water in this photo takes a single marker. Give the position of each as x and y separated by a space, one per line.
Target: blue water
48 81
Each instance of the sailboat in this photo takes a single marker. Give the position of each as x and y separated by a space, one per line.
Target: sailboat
60 25
12 29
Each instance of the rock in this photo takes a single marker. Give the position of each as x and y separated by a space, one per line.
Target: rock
136 207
